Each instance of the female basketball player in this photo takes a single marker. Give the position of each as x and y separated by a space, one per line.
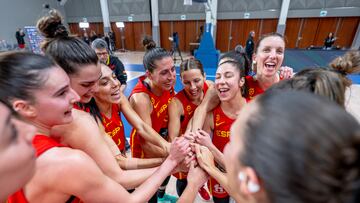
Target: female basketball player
17 156
150 99
182 107
39 91
81 64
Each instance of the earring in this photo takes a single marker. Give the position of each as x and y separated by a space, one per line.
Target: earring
242 176
253 187
253 67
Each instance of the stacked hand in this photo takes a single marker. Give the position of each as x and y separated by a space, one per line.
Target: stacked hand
199 142
203 138
180 148
286 72
197 176
203 156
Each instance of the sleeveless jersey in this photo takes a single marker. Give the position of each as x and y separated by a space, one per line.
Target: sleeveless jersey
188 108
221 136
114 127
159 115
254 88
41 143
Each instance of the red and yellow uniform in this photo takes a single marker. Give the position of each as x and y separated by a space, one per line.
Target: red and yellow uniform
114 127
189 109
159 115
254 88
221 136
41 143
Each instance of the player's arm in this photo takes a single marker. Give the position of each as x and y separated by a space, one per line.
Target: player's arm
142 123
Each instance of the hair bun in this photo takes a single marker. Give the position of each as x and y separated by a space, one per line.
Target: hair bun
51 26
60 31
239 49
347 64
341 65
148 43
150 46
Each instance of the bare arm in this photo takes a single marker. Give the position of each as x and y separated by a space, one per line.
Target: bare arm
204 138
144 129
153 151
129 163
206 161
175 111
81 177
196 179
210 101
84 134
142 106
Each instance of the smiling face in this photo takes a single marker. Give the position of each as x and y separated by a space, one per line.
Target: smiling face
54 101
269 55
85 81
228 82
163 76
17 156
193 82
109 86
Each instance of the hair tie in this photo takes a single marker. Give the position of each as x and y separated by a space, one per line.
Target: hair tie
60 31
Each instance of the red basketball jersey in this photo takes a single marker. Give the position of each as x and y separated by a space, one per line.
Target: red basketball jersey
221 136
159 115
114 127
188 108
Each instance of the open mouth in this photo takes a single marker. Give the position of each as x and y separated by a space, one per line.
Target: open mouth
67 113
168 84
87 95
223 90
194 93
116 93
270 66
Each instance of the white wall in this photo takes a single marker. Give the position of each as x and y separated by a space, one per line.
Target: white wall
19 13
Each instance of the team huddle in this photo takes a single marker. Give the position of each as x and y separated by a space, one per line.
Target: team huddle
271 136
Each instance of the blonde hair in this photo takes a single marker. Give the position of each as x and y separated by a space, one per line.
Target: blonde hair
349 63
